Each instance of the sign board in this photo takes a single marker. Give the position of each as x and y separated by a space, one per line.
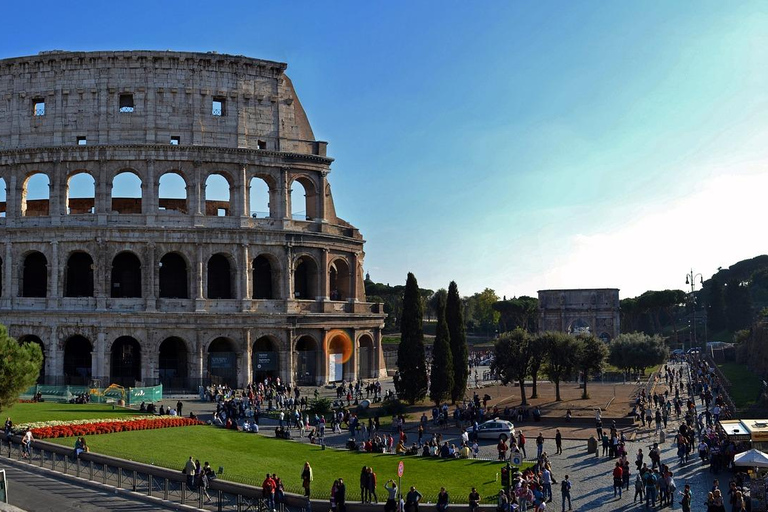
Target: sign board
264 361
3 487
335 367
400 469
221 359
517 460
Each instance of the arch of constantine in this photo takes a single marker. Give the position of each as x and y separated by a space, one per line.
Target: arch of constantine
593 311
185 232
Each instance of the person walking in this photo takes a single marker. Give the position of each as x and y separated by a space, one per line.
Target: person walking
565 490
546 483
617 479
268 492
521 443
306 478
558 442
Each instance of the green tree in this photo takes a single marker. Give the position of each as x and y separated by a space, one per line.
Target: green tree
441 376
738 305
19 367
590 357
411 380
483 316
433 302
561 357
538 350
511 359
520 312
454 318
716 306
637 351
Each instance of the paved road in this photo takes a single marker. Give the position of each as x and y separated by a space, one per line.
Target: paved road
37 492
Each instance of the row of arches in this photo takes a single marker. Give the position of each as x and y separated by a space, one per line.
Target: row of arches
175 360
173 192
125 277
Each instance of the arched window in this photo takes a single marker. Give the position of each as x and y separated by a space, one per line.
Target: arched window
219 277
79 277
3 198
125 368
81 194
217 195
35 196
173 277
34 277
126 276
339 280
262 278
365 358
303 199
172 193
77 360
305 279
259 198
126 193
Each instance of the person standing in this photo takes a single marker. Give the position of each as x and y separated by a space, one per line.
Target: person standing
521 443
364 485
306 478
442 500
558 442
341 496
474 500
179 405
565 490
617 479
546 483
268 492
539 445
391 504
412 500
189 470
686 501
372 486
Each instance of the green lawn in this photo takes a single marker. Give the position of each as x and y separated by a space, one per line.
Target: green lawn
247 457
745 386
48 411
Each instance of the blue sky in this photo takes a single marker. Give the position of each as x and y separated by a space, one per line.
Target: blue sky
511 145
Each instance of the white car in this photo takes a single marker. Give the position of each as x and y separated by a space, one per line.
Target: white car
496 429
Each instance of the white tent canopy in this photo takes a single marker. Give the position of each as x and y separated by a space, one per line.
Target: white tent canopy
754 458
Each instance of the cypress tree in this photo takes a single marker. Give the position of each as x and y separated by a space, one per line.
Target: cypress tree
441 377
454 318
411 381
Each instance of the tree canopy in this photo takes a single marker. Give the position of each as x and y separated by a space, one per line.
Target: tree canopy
637 351
590 357
19 367
411 380
511 359
561 357
454 318
517 312
441 375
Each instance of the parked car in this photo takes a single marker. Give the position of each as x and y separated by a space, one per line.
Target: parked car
496 429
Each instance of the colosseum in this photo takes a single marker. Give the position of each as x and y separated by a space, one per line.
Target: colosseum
167 218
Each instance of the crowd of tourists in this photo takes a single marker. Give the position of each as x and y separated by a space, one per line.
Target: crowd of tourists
199 476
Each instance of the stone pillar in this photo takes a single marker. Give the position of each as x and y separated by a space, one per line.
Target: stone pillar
323 277
246 283
322 206
354 359
237 199
13 196
197 198
287 359
149 201
53 282
8 264
353 277
99 361
199 297
103 199
198 366
245 370
148 277
289 272
282 204
56 365
102 275
57 194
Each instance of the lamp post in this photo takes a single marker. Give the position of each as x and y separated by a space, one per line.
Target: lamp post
690 278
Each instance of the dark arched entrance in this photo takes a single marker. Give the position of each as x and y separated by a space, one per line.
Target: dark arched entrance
262 278
365 358
265 362
79 276
339 355
77 360
34 279
126 276
125 367
306 361
339 280
34 339
173 361
219 277
173 277
305 279
222 362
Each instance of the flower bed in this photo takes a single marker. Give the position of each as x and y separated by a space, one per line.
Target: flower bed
51 429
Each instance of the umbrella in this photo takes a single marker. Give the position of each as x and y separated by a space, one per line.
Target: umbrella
754 458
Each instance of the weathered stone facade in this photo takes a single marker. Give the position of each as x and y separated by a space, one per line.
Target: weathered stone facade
572 311
179 290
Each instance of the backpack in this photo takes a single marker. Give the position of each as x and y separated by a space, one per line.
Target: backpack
565 486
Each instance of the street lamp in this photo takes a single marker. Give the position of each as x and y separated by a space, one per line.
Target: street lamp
690 278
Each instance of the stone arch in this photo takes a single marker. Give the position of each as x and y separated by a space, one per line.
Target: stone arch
128 184
218 194
220 276
81 193
307 354
265 359
3 198
31 338
305 278
261 189
77 360
173 276
79 275
579 326
36 195
125 362
366 357
339 349
172 192
222 361
125 276
34 275
266 281
173 363
339 280
304 199
605 337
